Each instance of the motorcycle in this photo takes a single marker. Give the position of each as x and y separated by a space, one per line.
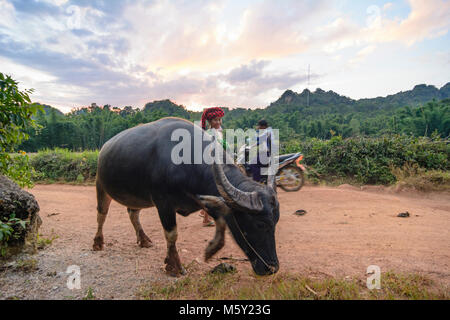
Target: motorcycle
290 173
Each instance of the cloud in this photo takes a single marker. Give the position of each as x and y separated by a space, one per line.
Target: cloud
246 85
387 6
88 45
207 40
251 79
361 54
95 75
36 7
194 52
337 35
245 73
7 13
427 19
66 67
278 28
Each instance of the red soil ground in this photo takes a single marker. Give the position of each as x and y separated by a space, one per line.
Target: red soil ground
345 230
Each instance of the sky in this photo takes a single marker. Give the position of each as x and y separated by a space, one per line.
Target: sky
242 53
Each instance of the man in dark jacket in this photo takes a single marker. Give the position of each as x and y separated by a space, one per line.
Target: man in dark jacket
263 144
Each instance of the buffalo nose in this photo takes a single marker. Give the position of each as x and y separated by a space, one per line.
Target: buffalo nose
274 269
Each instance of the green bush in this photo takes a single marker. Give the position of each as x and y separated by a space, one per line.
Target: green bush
64 165
10 229
16 117
370 160
362 160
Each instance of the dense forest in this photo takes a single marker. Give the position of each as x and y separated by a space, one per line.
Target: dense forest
422 111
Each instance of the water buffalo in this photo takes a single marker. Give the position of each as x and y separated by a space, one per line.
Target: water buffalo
135 169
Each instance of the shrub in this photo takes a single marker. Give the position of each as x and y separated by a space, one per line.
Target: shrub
360 159
370 160
15 118
10 229
64 165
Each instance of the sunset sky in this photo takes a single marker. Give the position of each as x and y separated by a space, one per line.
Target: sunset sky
220 53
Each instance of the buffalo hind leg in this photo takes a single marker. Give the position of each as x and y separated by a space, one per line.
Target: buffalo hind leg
103 202
142 239
219 239
168 221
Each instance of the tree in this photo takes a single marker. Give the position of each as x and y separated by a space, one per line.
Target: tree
16 111
355 126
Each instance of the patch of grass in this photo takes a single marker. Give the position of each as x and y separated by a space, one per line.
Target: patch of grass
211 286
89 294
412 176
408 286
291 287
44 242
26 265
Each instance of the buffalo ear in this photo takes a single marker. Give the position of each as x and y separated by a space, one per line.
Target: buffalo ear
214 204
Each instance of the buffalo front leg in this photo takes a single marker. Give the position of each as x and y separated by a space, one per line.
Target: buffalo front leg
142 239
103 202
219 239
168 221
172 261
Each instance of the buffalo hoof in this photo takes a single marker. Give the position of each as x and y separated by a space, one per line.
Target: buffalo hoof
98 244
144 241
209 254
174 270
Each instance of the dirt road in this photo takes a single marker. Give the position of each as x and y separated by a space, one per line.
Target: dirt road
343 232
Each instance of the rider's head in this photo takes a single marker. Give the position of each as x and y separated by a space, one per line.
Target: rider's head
262 124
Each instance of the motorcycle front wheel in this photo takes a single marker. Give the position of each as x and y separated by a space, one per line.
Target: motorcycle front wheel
290 178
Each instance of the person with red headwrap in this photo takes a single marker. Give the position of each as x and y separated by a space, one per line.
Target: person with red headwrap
214 117
211 114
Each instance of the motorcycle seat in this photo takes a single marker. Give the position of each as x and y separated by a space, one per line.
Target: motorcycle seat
284 157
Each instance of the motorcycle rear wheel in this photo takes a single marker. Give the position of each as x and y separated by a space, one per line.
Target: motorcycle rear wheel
291 178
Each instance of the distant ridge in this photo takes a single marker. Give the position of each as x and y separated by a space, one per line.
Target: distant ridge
48 109
319 101
166 106
420 94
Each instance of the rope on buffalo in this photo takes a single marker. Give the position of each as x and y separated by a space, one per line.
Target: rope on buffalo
248 243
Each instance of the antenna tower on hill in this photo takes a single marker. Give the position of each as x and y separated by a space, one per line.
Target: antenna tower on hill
309 77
